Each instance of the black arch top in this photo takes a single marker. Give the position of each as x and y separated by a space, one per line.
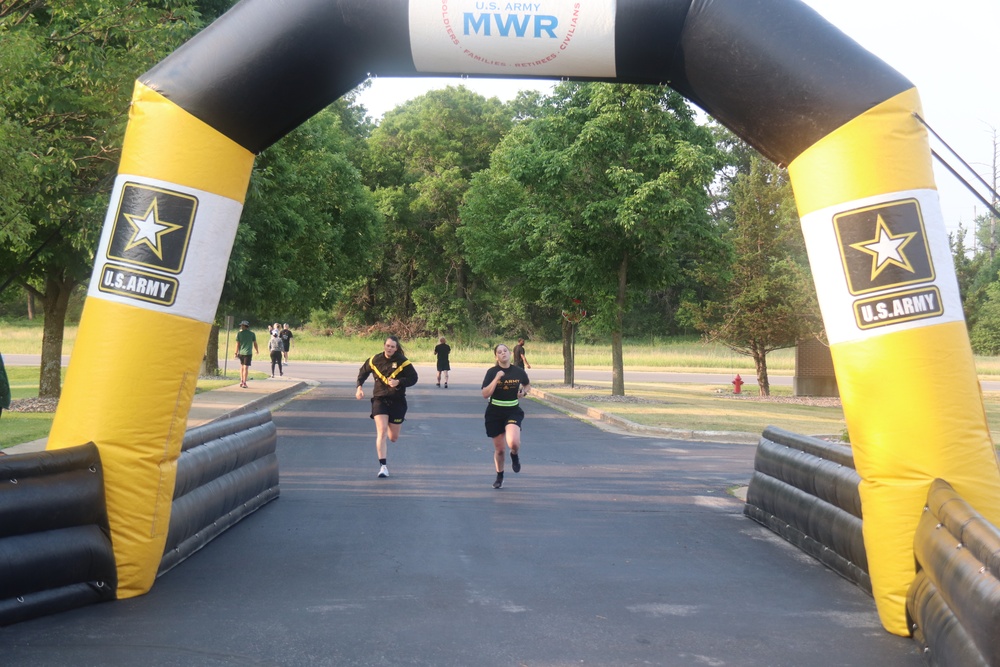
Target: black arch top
773 71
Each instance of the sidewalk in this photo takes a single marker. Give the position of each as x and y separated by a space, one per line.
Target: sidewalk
209 406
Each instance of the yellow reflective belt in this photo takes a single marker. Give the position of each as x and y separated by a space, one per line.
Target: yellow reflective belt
504 404
376 371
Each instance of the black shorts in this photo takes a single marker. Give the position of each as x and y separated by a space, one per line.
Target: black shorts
444 365
245 359
498 418
394 407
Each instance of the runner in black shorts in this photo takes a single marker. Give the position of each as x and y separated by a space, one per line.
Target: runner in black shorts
503 385
393 374
442 350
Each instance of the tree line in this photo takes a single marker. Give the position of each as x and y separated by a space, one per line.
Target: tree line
454 214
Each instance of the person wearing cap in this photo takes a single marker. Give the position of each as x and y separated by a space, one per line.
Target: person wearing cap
246 345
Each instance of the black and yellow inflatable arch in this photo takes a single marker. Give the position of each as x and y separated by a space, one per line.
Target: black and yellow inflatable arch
773 71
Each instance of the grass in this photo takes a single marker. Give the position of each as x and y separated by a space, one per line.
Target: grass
703 408
25 337
20 427
653 353
658 354
668 354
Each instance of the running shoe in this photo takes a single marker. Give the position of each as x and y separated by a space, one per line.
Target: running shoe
515 463
383 472
498 483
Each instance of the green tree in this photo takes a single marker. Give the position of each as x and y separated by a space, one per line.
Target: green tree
67 70
307 230
602 196
978 273
985 333
963 260
423 155
767 300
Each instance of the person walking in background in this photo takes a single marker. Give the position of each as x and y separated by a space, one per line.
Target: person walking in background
246 345
442 350
275 346
5 393
519 359
503 385
286 341
393 374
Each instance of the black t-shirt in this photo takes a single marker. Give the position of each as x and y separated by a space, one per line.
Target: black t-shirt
517 356
506 389
442 351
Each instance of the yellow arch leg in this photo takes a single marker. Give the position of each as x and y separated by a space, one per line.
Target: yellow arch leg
157 278
886 284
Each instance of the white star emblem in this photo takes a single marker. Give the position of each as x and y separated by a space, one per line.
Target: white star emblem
149 229
886 249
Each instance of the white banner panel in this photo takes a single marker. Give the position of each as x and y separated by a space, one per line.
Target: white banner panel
882 264
550 38
165 247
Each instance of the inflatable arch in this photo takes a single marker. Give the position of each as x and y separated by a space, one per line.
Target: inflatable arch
773 71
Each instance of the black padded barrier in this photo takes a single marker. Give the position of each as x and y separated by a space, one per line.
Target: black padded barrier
806 490
226 471
55 543
954 601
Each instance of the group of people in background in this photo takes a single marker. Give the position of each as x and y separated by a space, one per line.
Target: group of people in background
278 344
505 383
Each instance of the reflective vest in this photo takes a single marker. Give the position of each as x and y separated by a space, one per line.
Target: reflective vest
383 378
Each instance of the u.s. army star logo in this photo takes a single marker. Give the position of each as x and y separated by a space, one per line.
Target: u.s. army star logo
884 246
152 227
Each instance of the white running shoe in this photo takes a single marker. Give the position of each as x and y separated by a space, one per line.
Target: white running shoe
383 472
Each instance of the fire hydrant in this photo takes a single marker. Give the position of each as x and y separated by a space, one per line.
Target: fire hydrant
737 383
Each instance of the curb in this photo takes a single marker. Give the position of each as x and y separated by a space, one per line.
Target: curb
732 437
265 401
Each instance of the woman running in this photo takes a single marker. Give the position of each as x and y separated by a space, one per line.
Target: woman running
503 385
393 374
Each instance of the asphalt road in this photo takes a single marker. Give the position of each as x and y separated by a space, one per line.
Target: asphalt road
605 550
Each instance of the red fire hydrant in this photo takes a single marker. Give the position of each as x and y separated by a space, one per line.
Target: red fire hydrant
737 383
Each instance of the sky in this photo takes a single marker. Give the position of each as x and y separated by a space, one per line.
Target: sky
947 50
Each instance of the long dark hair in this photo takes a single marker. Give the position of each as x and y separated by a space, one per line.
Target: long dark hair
399 346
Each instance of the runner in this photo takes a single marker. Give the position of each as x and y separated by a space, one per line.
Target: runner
393 374
503 385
